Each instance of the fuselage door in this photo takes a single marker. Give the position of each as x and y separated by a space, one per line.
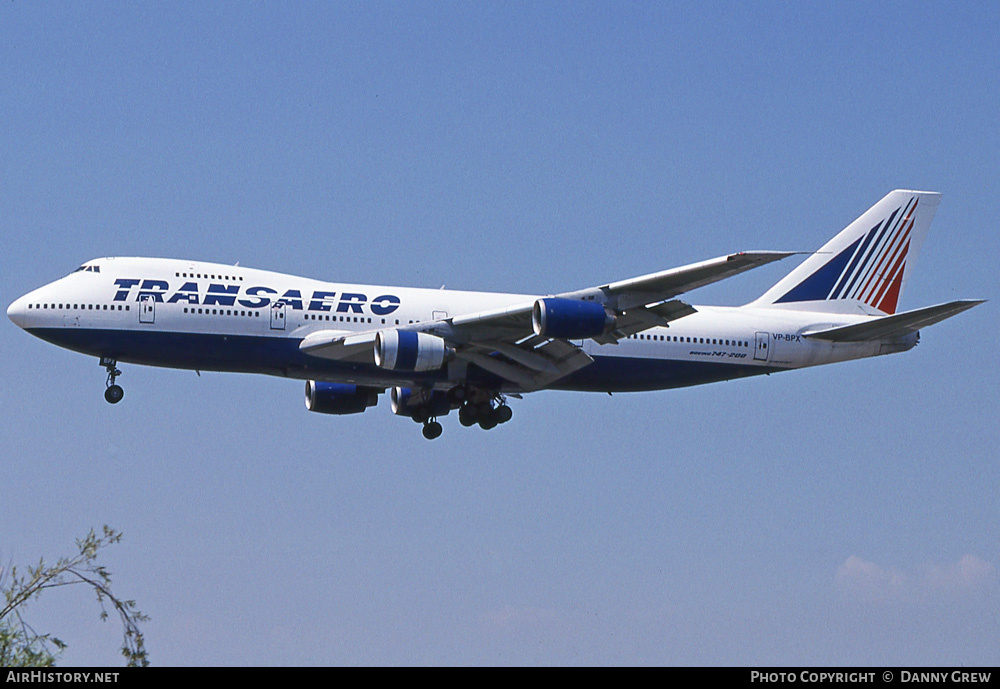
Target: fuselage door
278 315
762 347
147 309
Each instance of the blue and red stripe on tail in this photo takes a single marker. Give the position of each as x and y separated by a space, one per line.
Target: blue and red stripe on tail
867 263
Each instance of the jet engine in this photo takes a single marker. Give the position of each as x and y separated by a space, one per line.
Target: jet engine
419 404
403 350
339 398
570 319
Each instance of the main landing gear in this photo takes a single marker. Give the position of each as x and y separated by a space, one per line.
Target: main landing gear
114 393
487 408
469 414
485 413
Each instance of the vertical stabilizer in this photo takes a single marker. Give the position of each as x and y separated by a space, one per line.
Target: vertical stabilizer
868 263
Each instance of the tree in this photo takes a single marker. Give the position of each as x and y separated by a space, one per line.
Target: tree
22 646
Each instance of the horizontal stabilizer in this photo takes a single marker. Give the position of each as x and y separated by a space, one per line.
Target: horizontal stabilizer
897 325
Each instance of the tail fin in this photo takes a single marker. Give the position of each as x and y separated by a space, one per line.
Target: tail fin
868 263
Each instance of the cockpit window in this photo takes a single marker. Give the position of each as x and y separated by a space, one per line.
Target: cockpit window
88 269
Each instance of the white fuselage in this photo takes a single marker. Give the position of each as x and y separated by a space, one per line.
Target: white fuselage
206 316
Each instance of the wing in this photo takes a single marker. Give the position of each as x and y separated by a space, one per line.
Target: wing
637 304
503 341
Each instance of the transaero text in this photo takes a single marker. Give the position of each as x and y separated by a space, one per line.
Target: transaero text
256 297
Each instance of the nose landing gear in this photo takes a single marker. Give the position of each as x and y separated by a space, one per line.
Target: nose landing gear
114 393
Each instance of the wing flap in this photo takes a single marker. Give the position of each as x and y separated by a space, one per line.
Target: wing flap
530 367
637 320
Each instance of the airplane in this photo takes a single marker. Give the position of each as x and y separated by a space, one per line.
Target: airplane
442 350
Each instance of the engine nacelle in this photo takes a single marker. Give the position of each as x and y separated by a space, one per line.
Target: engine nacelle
570 319
339 398
428 403
403 350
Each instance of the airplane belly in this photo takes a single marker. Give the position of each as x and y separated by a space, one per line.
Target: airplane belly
278 356
632 374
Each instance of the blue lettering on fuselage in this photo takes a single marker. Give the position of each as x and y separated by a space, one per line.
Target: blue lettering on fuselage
384 305
125 285
260 302
351 303
223 295
187 293
322 301
153 288
292 298
256 297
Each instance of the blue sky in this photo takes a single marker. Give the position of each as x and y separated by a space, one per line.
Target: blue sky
843 515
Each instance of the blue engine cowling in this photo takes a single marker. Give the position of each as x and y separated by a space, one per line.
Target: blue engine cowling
339 398
403 350
407 401
570 319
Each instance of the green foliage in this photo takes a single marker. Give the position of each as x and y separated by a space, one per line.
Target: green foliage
22 646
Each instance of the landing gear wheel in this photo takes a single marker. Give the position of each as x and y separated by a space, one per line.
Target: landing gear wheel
432 430
467 415
114 394
504 413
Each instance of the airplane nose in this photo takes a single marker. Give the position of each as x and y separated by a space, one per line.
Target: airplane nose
17 312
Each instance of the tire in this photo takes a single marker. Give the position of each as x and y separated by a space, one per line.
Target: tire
114 394
432 430
466 416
